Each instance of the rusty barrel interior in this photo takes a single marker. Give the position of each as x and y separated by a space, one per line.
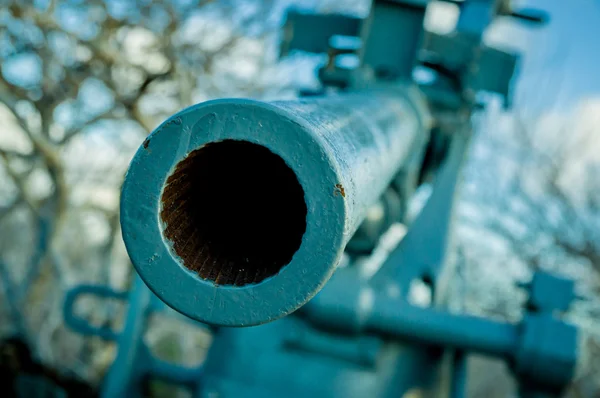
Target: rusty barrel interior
234 212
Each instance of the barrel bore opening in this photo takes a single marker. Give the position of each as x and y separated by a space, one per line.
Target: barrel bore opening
234 212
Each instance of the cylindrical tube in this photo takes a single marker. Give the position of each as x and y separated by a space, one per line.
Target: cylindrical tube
462 332
353 307
236 212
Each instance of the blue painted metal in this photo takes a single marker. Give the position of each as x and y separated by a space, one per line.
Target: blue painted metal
356 157
549 346
388 22
309 32
548 293
476 15
459 376
344 151
81 325
134 363
394 318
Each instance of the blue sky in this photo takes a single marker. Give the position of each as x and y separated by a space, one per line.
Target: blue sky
562 60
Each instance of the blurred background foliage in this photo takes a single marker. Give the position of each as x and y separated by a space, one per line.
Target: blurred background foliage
83 82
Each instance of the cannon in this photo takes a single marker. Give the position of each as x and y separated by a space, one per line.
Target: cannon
238 212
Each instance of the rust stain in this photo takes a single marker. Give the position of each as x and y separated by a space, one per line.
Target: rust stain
339 190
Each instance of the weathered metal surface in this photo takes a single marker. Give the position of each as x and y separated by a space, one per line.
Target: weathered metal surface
343 151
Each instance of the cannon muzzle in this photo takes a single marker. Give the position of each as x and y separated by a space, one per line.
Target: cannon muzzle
236 212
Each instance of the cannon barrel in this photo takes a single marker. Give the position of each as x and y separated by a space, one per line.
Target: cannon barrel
236 212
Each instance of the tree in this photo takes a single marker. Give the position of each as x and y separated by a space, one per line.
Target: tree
81 85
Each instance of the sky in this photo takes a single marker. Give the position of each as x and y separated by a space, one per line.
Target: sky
562 60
